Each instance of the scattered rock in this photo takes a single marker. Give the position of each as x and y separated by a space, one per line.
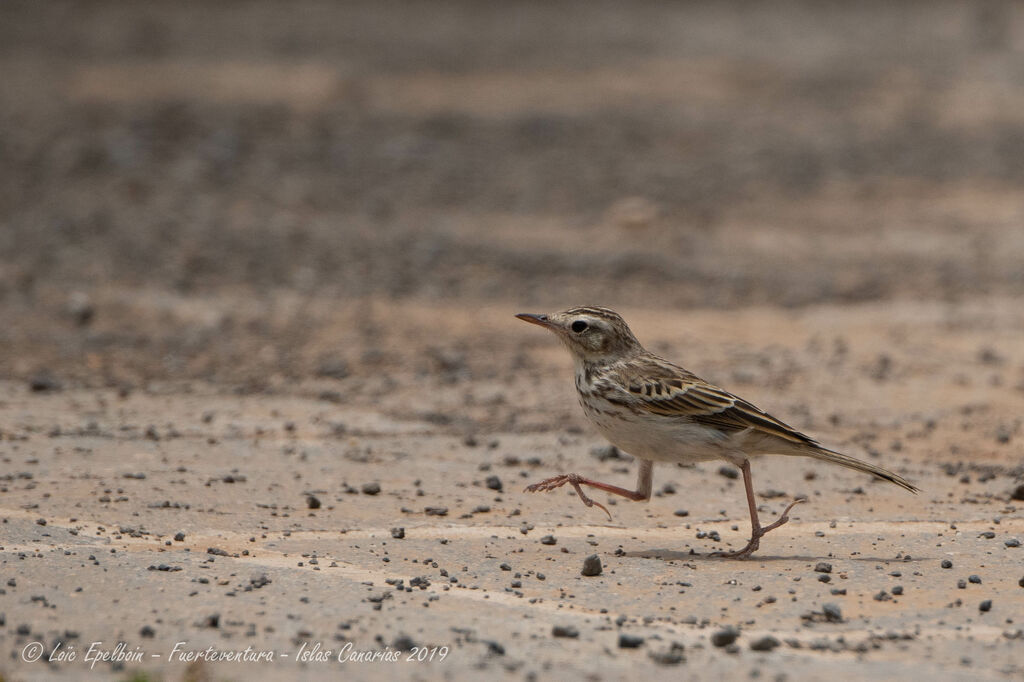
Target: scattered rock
725 636
403 643
681 512
607 452
565 631
823 567
436 511
766 643
985 606
493 482
147 632
1017 494
44 382
548 540
946 563
371 488
313 502
179 537
398 533
80 308
628 641
591 566
672 656
728 471
332 368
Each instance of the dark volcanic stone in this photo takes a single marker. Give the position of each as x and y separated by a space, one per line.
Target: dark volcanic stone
823 567
725 636
44 382
728 471
946 563
548 540
565 631
766 643
372 488
493 482
606 452
1017 494
313 502
398 533
403 643
627 641
591 566
985 605
672 656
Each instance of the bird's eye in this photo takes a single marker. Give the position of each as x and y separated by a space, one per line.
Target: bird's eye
579 326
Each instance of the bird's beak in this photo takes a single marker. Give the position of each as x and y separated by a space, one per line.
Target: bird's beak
541 320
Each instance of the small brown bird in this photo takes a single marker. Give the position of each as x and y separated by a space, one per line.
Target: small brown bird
660 412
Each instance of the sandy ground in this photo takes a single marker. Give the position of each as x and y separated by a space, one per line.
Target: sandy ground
100 484
259 263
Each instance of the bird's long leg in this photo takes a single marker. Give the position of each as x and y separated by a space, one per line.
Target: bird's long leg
644 479
756 531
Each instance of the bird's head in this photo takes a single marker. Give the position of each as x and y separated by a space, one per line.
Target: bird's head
590 333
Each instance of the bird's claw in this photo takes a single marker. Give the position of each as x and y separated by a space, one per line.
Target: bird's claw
572 479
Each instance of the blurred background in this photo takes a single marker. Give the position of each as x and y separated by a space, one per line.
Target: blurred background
257 192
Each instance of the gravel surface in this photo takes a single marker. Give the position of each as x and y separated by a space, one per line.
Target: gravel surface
262 392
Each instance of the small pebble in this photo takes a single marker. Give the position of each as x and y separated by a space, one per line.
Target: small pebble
591 565
946 563
627 641
766 643
565 631
823 567
403 643
398 533
372 488
548 540
725 636
985 605
493 482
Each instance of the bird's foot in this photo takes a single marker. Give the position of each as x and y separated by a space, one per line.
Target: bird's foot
572 479
755 538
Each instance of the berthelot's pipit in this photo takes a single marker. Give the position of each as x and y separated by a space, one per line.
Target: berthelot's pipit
660 412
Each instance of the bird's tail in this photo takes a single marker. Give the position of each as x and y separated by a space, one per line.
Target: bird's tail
834 457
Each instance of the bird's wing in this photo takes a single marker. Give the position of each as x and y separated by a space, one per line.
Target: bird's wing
657 387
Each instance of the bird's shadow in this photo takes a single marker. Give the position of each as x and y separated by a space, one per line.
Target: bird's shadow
675 555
